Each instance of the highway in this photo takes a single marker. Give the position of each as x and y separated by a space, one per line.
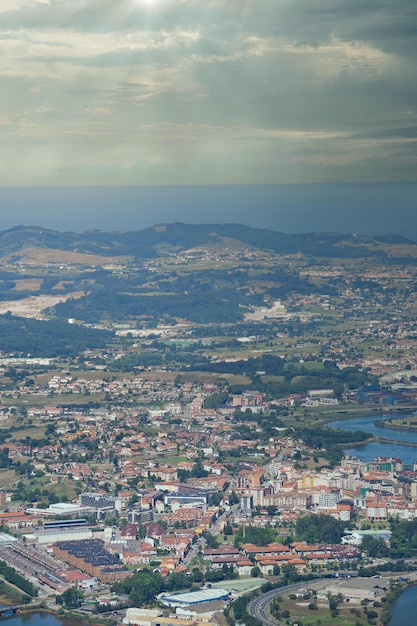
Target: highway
258 607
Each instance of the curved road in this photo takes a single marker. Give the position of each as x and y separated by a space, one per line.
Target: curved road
258 607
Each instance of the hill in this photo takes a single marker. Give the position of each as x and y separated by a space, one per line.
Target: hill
171 273
157 240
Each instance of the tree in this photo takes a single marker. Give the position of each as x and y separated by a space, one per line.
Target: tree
375 548
258 536
4 458
215 498
198 471
334 600
211 540
289 571
142 531
197 575
73 598
233 498
176 581
318 529
142 587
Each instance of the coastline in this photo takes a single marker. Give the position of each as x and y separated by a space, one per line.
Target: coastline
409 444
389 426
352 414
69 616
395 597
379 421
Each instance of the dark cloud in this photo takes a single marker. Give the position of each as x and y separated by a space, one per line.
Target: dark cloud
179 90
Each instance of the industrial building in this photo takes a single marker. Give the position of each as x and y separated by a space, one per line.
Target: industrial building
63 534
194 597
60 509
90 556
151 617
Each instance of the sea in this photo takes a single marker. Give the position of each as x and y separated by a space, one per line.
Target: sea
361 208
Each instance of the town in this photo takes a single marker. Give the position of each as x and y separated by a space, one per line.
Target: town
170 463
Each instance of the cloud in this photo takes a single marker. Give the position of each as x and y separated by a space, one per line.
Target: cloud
277 90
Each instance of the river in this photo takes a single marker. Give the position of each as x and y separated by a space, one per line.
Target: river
404 609
41 619
374 449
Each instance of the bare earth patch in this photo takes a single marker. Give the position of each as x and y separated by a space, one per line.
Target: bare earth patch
34 306
28 284
35 256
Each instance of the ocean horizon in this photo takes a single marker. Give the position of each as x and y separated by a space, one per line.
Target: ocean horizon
365 208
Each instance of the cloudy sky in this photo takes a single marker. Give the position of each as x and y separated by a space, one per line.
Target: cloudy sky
151 92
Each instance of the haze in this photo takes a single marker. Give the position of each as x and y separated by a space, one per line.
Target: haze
193 93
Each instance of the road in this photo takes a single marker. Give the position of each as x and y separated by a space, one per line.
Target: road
214 530
259 606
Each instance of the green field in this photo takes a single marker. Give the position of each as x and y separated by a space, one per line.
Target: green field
301 614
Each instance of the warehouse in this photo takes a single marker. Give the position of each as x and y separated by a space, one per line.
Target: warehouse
62 534
90 556
194 597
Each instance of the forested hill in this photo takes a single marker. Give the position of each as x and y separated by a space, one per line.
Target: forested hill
156 240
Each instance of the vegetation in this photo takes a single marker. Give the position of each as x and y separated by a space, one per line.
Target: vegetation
237 613
392 595
72 598
145 243
329 440
16 579
374 547
143 587
56 338
403 540
257 536
13 594
387 566
318 529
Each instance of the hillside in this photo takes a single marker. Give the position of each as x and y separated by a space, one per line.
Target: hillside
192 274
156 240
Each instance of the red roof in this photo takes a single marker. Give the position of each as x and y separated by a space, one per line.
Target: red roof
73 576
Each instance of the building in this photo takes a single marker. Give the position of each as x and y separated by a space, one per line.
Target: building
191 598
154 617
91 557
63 534
102 504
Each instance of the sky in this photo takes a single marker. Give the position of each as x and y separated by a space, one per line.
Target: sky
201 92
390 207
305 109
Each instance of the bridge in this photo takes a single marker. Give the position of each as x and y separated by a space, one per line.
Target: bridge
7 611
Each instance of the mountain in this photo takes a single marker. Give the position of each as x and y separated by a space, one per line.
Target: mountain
199 275
156 240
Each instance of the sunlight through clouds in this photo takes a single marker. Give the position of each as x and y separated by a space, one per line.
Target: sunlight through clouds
190 91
